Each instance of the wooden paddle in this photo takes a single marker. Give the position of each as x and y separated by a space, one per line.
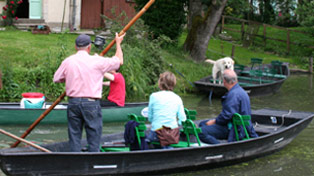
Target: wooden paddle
23 140
47 111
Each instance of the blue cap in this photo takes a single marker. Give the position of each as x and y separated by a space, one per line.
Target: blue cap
82 40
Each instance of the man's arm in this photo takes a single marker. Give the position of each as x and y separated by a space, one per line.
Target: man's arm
119 52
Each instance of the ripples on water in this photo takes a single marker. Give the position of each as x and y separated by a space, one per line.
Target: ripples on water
295 159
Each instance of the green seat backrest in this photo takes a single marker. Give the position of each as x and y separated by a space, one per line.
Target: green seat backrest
140 129
256 61
241 120
275 65
190 114
189 128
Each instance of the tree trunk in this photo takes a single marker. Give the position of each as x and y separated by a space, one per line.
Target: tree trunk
195 9
202 28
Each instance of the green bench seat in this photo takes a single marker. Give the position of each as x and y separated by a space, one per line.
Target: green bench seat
255 79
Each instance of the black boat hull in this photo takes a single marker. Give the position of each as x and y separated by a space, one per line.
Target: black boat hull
25 161
218 90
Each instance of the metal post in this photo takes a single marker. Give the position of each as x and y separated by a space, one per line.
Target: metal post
311 65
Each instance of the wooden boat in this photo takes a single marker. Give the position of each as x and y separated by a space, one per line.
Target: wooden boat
276 129
257 81
11 113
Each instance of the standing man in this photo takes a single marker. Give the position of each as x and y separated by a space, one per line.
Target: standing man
83 76
236 100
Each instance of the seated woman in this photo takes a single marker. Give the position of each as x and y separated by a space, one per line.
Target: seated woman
116 96
164 108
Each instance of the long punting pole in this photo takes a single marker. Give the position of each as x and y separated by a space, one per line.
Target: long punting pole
43 115
25 141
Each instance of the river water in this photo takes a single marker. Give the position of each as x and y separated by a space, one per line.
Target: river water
297 158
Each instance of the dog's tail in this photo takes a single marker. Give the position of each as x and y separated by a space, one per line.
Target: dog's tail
210 61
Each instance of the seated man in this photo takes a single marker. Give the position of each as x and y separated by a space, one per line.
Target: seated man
236 100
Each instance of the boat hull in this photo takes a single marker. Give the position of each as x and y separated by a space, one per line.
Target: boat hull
11 113
267 88
25 161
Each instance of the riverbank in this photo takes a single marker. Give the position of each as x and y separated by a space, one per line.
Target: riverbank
29 61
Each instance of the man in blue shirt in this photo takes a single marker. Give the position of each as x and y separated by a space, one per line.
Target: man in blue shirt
236 100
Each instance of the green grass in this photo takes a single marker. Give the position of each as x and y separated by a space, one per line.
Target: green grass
296 50
31 60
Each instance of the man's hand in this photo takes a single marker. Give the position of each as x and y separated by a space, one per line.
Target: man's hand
119 39
211 122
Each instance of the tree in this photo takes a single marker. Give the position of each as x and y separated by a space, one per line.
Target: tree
267 13
202 24
165 17
305 13
286 15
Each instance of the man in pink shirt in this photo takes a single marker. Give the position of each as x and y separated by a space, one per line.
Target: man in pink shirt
83 76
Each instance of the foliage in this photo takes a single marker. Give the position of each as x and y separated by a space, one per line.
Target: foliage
286 13
25 70
305 12
165 17
142 58
236 8
9 11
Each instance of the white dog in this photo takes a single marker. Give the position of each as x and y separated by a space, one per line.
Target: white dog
219 66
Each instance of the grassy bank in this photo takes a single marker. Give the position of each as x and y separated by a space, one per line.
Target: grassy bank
29 61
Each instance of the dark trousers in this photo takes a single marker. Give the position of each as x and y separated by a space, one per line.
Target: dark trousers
211 133
84 112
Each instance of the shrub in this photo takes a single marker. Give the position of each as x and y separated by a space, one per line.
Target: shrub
9 11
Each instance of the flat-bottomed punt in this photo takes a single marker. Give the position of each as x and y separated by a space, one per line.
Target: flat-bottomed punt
256 82
276 129
11 113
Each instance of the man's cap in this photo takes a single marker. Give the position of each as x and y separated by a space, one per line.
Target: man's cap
83 40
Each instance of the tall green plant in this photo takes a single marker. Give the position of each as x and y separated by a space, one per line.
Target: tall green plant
142 58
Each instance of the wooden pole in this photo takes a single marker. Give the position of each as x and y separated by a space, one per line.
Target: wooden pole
288 41
311 65
0 79
25 141
222 47
137 16
242 30
264 35
232 52
43 115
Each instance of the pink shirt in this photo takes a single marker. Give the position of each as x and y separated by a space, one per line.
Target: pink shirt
117 90
83 74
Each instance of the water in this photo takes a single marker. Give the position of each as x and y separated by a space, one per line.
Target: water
295 159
